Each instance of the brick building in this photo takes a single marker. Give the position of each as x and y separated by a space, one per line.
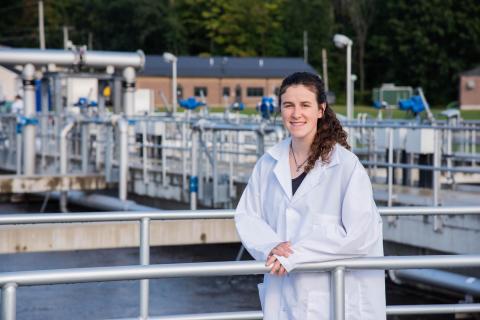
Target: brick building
247 79
469 91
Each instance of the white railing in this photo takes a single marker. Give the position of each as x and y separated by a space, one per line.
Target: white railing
10 281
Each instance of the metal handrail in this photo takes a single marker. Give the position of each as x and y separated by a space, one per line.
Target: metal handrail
6 219
11 280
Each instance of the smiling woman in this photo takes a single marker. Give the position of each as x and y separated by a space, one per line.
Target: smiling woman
310 200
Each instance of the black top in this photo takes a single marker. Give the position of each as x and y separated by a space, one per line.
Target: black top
296 182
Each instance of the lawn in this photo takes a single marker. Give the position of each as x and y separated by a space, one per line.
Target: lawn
396 113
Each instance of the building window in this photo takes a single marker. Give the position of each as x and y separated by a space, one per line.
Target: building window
254 92
238 91
197 91
179 91
226 92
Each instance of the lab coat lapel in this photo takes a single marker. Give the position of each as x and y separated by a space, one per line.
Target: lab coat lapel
282 167
315 176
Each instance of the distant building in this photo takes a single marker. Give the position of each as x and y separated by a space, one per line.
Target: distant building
470 89
247 79
10 83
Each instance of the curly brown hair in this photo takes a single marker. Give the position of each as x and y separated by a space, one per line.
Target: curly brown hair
329 130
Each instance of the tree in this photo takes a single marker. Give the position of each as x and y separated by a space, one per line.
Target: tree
425 43
360 14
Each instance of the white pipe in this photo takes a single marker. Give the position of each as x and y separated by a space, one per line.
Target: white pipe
98 59
174 86
123 167
438 278
39 57
349 83
102 59
129 91
29 112
194 175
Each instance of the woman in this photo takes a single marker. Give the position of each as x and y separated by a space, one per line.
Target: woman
310 200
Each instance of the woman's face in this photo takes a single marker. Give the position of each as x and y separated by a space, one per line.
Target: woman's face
300 111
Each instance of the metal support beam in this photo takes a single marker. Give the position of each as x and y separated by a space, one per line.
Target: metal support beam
9 301
144 261
29 112
338 294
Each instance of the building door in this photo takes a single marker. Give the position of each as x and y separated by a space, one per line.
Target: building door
238 93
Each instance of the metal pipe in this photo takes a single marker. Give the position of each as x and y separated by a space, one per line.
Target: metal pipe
390 168
184 159
64 164
433 309
194 174
144 153
349 82
84 147
239 315
207 269
129 91
144 261
29 137
19 153
391 310
39 57
214 169
102 59
123 167
443 279
437 220
99 200
9 301
338 285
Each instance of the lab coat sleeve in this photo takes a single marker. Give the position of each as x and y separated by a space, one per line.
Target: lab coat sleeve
361 227
256 235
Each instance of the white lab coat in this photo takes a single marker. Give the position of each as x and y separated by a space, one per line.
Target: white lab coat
331 216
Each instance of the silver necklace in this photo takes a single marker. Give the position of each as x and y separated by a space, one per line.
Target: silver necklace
299 166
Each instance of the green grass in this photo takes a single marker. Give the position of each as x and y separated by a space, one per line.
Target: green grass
396 114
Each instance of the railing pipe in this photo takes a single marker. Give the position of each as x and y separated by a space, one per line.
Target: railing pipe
144 261
207 269
9 301
6 219
338 285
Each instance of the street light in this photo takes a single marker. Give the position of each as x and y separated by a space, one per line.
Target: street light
341 41
170 58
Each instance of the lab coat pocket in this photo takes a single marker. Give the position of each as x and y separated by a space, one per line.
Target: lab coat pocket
322 219
261 294
328 224
318 307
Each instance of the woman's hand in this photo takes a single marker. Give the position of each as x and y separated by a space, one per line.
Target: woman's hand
282 249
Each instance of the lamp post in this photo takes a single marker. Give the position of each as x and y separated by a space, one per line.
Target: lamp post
170 58
341 41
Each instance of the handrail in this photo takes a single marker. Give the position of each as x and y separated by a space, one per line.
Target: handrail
6 219
10 280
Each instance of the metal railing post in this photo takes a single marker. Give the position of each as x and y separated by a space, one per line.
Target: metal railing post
194 173
214 168
338 285
144 261
9 301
